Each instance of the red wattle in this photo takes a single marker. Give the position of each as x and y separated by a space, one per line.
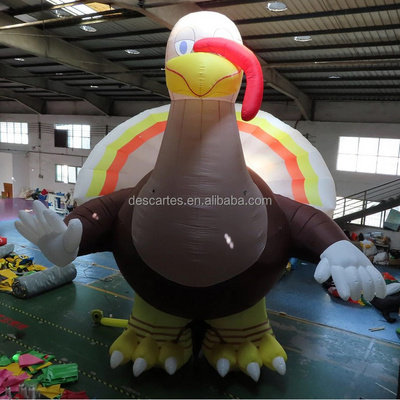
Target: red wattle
247 61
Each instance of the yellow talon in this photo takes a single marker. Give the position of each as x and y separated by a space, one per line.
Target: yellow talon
246 354
170 349
226 351
171 357
270 349
148 350
124 346
223 358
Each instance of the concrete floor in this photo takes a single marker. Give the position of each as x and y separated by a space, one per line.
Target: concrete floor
332 353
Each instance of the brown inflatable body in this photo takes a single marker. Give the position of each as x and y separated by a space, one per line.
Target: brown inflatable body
294 230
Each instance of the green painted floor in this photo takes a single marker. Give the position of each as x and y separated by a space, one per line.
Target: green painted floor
324 362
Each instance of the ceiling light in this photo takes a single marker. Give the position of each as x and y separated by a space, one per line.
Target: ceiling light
334 77
90 17
88 28
94 86
132 51
302 38
276 6
60 13
19 59
59 73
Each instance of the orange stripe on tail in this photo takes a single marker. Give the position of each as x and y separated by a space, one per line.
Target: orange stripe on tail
298 179
123 153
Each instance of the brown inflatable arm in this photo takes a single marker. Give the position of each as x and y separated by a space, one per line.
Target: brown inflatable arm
98 217
312 231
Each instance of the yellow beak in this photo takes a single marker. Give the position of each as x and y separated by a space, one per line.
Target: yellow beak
202 75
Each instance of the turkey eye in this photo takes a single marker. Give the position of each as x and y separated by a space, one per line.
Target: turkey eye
184 46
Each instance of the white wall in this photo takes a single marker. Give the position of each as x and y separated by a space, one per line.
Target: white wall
367 111
33 165
20 166
374 119
325 137
46 168
6 169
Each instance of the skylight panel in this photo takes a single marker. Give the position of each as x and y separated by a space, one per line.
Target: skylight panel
79 9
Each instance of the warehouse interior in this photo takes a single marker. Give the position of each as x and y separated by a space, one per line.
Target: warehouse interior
331 70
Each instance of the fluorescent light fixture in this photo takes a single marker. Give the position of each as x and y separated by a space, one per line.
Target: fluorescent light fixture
88 28
91 17
132 51
334 77
60 13
19 59
302 38
276 6
94 86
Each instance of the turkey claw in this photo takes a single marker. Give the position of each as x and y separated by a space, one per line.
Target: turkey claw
116 359
223 366
139 366
171 365
253 370
280 365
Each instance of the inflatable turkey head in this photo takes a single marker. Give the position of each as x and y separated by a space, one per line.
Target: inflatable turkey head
205 59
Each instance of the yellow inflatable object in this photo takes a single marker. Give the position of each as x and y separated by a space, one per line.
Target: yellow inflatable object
213 77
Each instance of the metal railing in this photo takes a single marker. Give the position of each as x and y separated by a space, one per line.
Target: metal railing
367 202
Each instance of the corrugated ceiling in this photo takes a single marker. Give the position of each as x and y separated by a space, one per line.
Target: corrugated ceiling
353 54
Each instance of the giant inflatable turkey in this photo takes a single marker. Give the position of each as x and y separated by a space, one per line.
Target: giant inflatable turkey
199 235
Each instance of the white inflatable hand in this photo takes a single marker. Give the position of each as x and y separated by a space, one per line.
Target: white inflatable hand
58 242
351 271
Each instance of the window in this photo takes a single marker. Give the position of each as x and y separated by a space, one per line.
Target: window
79 9
369 155
348 205
78 135
66 173
375 220
14 132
